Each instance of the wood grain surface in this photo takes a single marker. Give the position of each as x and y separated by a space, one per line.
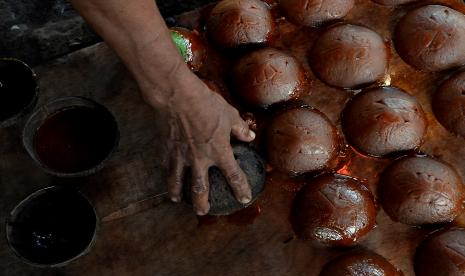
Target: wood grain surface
157 237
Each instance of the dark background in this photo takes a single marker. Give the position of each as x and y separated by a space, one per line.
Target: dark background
39 30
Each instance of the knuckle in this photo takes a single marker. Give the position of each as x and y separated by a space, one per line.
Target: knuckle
174 185
174 177
244 130
235 177
177 182
199 187
240 129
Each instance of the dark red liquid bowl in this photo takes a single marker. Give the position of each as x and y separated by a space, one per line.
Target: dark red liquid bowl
52 227
71 137
18 90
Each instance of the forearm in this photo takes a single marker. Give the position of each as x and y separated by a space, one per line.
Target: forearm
137 32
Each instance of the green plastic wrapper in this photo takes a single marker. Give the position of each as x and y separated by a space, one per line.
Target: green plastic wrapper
182 43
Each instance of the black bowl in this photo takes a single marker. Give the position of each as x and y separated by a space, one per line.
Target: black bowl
52 227
18 90
71 137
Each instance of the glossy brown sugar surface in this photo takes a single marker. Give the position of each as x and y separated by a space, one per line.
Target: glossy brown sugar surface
349 56
449 104
315 12
268 76
413 88
360 263
430 38
334 210
383 121
393 2
442 254
419 190
234 23
302 140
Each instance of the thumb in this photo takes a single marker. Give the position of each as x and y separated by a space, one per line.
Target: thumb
241 131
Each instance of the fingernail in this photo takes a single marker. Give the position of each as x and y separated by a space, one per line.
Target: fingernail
203 212
176 199
200 213
245 200
251 134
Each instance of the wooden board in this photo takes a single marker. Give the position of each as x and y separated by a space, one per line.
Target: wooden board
167 238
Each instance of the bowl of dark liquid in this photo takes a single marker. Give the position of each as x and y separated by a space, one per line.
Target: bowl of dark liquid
18 90
71 137
52 227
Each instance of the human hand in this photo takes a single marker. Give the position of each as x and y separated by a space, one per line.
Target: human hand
200 124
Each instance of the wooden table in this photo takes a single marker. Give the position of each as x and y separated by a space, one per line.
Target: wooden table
167 238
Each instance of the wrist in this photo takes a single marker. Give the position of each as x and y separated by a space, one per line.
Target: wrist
171 91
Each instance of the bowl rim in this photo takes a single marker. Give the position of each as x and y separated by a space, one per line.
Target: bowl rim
32 153
30 105
35 194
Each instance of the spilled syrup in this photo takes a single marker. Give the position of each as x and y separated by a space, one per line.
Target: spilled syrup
17 88
245 216
75 139
286 183
53 227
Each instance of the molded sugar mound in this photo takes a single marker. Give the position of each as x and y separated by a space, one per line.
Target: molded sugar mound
333 209
384 120
449 102
418 190
360 263
234 23
302 140
349 56
268 76
431 38
315 12
442 253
